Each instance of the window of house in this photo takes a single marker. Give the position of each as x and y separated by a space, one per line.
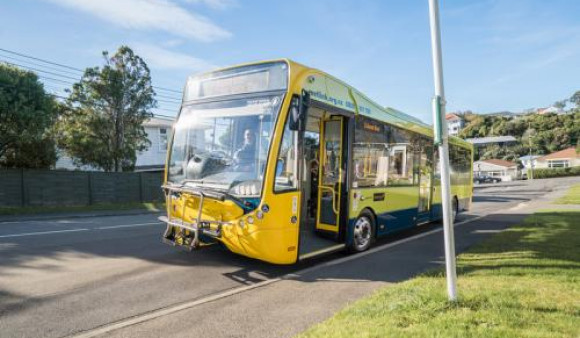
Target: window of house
559 164
162 139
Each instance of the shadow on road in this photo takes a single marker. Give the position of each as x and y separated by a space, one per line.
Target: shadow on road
394 264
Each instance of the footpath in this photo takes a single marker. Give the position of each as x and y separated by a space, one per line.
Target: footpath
286 306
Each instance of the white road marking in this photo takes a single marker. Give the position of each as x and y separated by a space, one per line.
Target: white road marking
519 206
71 219
120 226
42 233
488 231
123 323
127 225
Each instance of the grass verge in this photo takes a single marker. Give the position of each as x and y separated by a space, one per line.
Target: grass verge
571 197
523 282
150 206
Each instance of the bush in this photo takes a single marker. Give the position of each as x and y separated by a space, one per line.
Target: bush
555 172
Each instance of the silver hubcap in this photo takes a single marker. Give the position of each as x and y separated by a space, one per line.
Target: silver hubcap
362 232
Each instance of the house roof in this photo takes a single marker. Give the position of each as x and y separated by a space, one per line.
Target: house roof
548 110
452 116
527 157
562 154
159 122
491 139
501 163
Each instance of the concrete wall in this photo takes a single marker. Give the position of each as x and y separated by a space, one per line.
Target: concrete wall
20 187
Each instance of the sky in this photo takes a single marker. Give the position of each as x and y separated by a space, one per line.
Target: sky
497 54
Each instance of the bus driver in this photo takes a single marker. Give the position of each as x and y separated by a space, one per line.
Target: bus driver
245 157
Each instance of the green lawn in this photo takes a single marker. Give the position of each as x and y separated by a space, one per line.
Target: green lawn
571 197
151 206
523 282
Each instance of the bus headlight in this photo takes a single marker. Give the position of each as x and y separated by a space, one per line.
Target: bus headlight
250 219
259 214
248 188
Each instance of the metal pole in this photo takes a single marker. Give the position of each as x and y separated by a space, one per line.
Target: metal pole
441 139
530 145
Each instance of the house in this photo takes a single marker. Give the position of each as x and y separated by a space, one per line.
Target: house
560 159
529 161
555 110
158 130
454 123
505 170
481 144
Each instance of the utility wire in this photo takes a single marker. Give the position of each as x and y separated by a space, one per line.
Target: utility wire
71 68
42 71
44 78
65 98
174 100
39 59
38 65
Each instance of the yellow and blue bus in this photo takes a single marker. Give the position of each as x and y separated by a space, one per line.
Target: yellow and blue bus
281 162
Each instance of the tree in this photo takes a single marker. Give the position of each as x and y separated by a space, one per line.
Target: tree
27 114
544 133
103 124
560 104
576 99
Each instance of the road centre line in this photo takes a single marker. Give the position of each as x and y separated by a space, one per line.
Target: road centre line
43 233
127 225
154 314
121 226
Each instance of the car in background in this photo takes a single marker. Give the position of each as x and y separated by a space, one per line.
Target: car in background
485 179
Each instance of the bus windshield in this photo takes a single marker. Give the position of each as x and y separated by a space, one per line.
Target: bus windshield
223 145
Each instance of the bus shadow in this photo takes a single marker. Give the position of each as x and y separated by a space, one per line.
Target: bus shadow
499 199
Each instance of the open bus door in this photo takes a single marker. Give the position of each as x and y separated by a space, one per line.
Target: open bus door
426 181
331 175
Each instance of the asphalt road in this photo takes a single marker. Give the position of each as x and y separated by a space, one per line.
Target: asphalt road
62 277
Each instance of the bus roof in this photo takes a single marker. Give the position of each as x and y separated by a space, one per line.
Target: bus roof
333 91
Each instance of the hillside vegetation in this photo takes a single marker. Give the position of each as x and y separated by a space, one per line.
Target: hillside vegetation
543 133
540 134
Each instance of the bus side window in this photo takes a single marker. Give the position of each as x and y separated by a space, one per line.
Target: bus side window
370 153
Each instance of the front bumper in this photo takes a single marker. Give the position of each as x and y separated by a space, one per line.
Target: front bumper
189 235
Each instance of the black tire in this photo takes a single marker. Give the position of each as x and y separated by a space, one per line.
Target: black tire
362 232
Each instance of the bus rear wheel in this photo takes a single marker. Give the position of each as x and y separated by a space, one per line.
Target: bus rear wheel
362 232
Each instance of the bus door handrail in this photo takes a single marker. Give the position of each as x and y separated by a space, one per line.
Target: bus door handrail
334 199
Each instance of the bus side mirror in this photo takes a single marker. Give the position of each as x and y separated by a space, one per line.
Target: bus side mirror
299 111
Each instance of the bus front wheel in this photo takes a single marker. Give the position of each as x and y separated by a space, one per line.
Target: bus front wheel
362 232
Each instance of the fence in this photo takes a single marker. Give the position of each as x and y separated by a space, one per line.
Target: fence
23 187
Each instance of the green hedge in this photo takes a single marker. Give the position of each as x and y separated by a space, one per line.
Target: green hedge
555 172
